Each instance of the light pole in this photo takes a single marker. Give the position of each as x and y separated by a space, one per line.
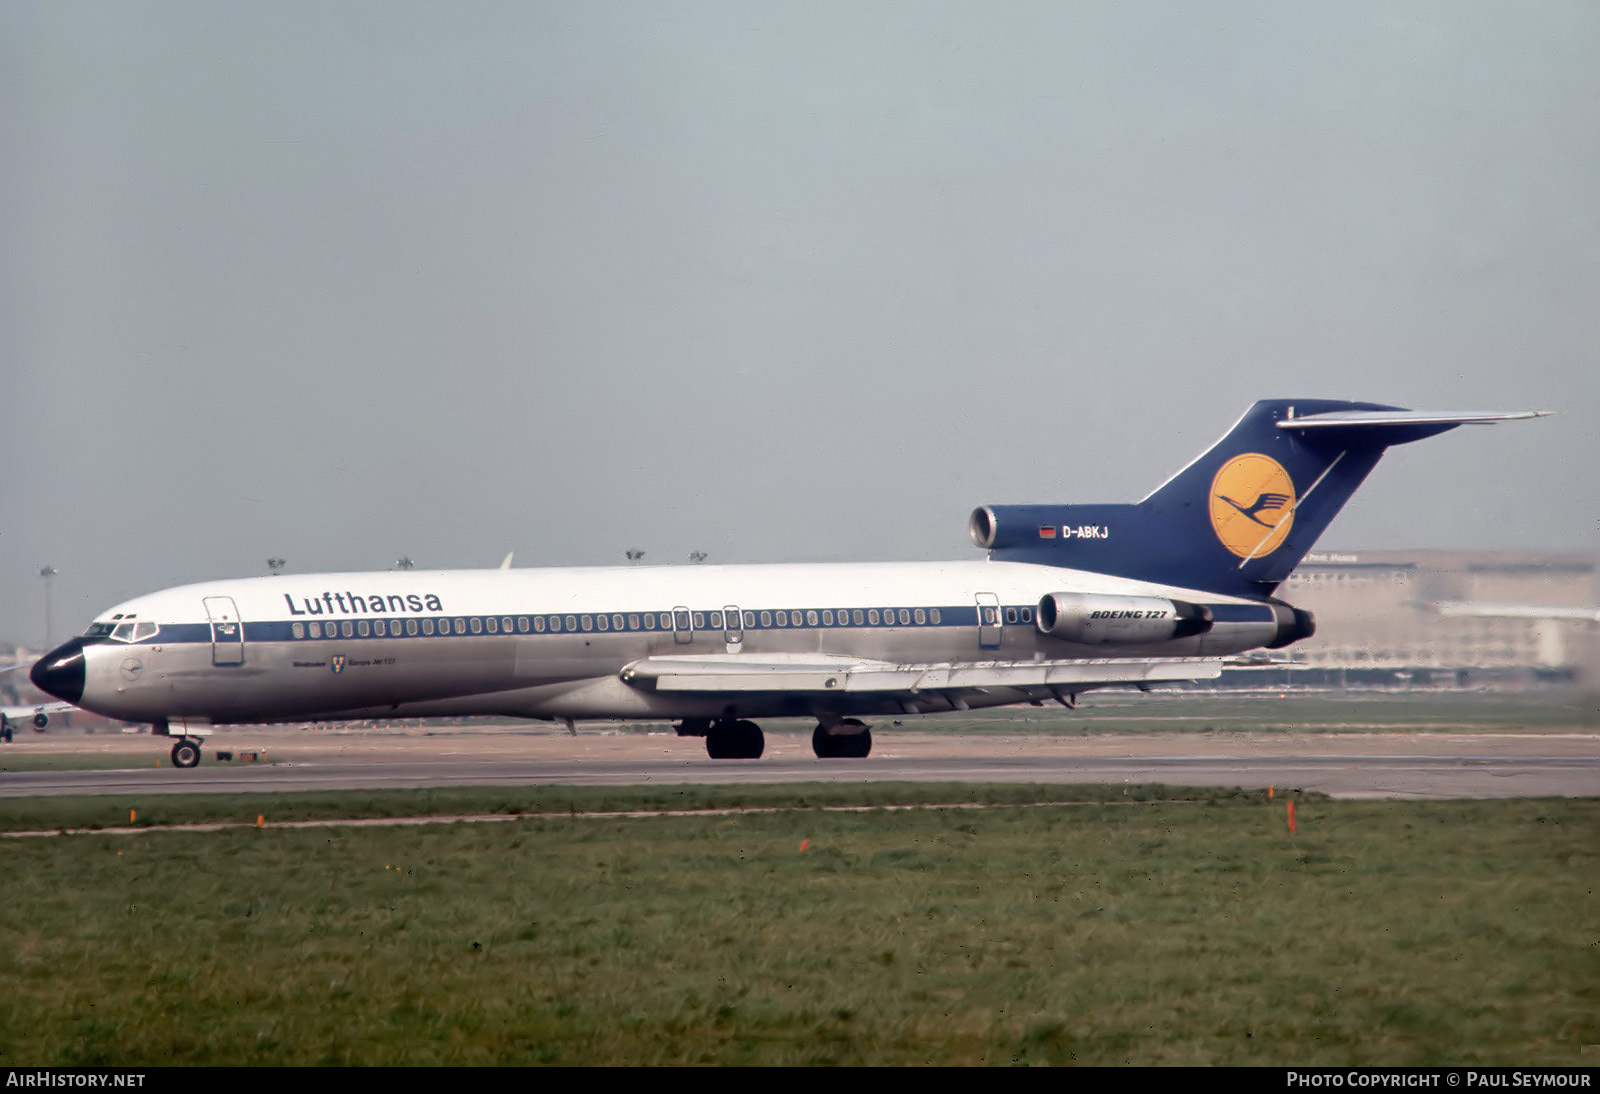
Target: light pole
48 573
404 562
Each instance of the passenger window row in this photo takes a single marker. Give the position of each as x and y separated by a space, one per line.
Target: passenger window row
633 621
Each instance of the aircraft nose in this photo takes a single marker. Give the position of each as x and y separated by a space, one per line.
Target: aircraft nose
60 672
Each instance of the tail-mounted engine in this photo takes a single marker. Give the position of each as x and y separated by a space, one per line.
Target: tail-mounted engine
1099 620
1095 619
1293 624
1051 527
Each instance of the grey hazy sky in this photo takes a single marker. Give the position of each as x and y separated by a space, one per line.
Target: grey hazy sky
345 281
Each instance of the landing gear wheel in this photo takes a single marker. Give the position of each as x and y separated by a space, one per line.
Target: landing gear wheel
849 740
186 754
739 740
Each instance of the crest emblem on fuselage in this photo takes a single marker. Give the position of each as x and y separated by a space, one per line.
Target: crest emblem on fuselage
336 663
1252 505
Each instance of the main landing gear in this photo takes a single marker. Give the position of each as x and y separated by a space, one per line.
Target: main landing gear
846 739
735 740
730 738
727 738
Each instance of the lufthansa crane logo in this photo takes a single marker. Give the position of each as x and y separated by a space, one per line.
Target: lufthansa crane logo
1252 505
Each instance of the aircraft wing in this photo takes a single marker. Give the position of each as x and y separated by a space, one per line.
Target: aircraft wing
820 674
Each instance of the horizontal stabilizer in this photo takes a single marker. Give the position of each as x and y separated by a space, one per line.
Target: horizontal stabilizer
1345 419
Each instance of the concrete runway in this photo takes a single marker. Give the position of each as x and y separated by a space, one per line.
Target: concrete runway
1365 765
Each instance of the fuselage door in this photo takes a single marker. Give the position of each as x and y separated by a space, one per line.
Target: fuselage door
227 631
682 625
732 627
988 621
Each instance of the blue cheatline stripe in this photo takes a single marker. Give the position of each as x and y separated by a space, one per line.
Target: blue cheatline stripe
557 625
1011 615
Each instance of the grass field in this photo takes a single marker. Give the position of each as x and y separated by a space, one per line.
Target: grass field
17 760
1161 932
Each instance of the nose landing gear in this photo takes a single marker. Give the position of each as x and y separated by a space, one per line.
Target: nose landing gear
186 749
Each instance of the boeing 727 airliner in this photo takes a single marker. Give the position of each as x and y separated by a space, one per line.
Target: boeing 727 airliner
1070 598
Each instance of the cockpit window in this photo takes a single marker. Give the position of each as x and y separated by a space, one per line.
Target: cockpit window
120 628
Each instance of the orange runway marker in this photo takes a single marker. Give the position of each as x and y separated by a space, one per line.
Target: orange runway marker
1291 817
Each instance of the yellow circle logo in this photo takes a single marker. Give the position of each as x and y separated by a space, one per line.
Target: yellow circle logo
1252 505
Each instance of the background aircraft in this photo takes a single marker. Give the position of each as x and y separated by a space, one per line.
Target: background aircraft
1473 609
37 716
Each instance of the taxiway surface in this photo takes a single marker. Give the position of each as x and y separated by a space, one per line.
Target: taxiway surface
1368 765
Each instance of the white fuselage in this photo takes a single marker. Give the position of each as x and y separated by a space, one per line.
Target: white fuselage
554 643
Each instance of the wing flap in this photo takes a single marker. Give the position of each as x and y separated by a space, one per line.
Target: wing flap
734 673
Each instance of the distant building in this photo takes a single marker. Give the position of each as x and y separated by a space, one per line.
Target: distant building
1373 627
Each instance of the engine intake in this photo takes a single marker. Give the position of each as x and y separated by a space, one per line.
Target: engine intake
983 526
1100 620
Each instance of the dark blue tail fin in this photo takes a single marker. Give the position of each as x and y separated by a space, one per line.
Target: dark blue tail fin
1237 519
